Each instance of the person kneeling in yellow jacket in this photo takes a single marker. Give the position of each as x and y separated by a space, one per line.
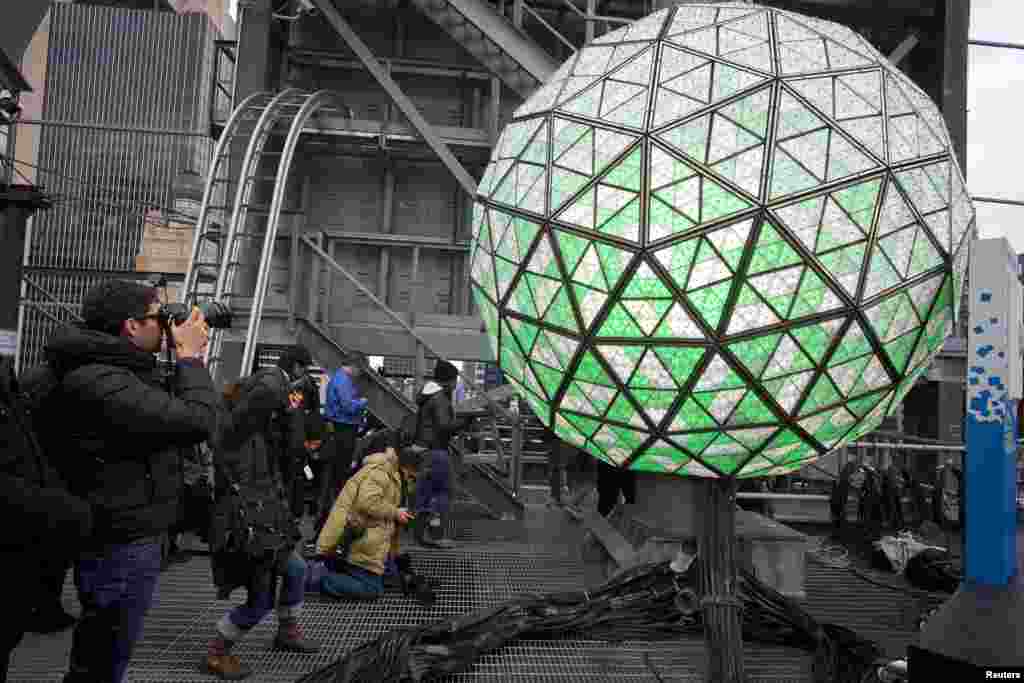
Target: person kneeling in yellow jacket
361 532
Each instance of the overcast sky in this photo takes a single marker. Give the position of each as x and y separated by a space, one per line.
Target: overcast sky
995 134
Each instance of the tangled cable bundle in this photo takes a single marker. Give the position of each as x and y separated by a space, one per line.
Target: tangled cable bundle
648 602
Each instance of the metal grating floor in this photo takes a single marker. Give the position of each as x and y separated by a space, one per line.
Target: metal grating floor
494 561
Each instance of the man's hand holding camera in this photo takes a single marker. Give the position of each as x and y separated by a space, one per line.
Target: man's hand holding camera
192 336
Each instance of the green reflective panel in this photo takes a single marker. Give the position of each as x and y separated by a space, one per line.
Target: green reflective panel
567 134
785 443
837 228
625 224
859 201
690 139
522 301
526 232
564 184
881 276
923 295
590 273
719 375
619 323
590 302
611 201
749 312
651 374
591 370
854 344
505 190
845 375
663 221
795 459
874 377
728 81
647 312
524 332
580 156
690 417
678 324
600 397
549 378
537 151
844 159
710 302
794 118
720 404
752 439
680 361
744 169
719 202
772 251
660 457
571 247
544 290
622 410
677 260
814 296
575 399
815 339
487 310
708 267
899 350
627 173
822 394
751 410
543 261
683 197
845 265
864 405
881 315
924 256
585 425
788 356
622 359
510 363
656 403
645 284
755 353
568 433
810 151
731 241
557 350
788 176
614 262
695 442
561 311
751 112
665 169
724 464
788 389
729 139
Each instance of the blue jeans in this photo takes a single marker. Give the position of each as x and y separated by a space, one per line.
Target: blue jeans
259 604
434 487
115 588
354 582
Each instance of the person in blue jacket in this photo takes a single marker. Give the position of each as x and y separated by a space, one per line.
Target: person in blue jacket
345 414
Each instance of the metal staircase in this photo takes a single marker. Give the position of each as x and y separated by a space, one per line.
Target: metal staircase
505 50
269 128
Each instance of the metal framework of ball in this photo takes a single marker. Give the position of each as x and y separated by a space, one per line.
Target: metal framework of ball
721 241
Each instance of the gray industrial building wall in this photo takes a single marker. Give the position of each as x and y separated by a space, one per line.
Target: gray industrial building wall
126 112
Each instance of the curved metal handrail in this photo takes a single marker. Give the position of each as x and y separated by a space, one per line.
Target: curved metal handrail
230 130
250 163
310 107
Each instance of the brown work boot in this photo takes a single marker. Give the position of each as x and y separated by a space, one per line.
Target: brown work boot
221 663
289 638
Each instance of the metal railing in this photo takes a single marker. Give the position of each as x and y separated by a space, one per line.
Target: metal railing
223 92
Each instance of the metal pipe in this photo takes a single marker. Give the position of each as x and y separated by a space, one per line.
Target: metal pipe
997 200
992 43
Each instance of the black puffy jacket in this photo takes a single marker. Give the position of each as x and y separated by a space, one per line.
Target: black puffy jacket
115 433
40 514
437 421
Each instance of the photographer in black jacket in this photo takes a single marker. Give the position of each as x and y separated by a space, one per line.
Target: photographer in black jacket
254 535
116 437
45 523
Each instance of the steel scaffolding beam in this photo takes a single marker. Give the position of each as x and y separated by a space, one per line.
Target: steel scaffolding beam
400 99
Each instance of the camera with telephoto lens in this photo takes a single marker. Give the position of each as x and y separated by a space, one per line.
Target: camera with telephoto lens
217 315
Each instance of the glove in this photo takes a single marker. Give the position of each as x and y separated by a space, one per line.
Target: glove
360 404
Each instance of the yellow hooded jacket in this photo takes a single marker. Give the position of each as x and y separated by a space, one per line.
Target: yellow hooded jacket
369 500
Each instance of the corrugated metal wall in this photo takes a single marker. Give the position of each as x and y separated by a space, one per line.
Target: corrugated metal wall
127 112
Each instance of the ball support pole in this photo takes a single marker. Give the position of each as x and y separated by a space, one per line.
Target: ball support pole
717 576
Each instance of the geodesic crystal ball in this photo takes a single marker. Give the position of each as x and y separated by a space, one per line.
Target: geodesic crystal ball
721 241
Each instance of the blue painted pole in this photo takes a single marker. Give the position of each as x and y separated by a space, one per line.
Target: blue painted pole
977 633
990 487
